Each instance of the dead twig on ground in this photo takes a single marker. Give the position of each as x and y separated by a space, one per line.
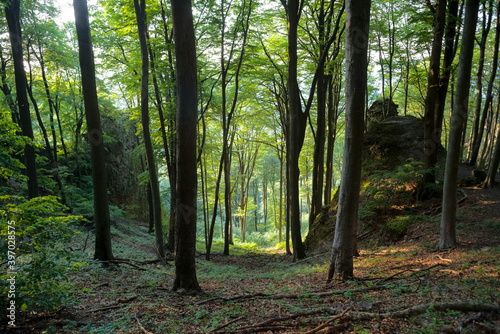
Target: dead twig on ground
226 324
117 261
118 304
332 319
141 327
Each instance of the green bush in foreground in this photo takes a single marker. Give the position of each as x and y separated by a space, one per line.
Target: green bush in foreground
37 256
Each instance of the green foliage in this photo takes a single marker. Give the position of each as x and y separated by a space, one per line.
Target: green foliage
11 145
384 188
396 227
41 257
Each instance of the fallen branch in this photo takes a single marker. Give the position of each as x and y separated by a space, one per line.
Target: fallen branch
226 324
140 326
106 308
267 325
116 261
118 304
332 319
422 308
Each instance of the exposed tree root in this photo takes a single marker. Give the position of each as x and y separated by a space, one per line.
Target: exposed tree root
269 324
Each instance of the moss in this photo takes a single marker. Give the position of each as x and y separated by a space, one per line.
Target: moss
395 228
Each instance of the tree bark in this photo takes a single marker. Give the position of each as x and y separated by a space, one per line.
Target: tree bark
296 125
449 55
187 97
460 107
479 122
357 34
140 13
103 250
16 41
431 136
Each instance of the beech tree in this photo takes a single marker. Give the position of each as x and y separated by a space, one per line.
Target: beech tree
448 218
140 10
187 97
16 41
103 250
357 20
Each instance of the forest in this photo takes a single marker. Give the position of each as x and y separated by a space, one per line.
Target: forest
249 166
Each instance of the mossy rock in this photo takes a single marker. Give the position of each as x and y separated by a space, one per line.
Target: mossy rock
395 229
391 142
381 109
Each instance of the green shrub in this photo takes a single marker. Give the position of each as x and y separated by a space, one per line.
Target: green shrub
41 261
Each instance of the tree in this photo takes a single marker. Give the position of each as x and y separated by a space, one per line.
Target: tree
103 250
296 126
478 121
357 20
431 136
448 218
326 27
187 97
140 10
16 42
495 159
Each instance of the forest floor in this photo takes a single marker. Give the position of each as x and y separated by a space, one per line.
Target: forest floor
262 291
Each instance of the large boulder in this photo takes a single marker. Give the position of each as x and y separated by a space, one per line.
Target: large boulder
381 109
391 142
388 143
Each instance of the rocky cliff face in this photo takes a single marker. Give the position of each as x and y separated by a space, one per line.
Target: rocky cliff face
123 165
388 143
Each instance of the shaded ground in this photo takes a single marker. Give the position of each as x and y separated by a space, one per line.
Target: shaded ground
255 291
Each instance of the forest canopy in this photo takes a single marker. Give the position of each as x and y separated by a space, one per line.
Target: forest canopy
271 120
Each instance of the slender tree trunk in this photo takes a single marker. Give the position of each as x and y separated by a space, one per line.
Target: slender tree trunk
488 99
164 137
460 108
140 12
478 121
296 124
103 250
170 149
357 33
431 140
319 144
16 41
449 55
187 107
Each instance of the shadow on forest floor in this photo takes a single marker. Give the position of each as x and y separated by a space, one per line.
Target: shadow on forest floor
254 291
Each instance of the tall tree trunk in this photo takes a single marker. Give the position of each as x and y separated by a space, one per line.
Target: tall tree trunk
52 109
170 149
335 88
431 140
448 219
140 13
319 143
357 20
478 121
296 125
16 41
495 159
166 148
487 101
449 55
103 251
187 106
